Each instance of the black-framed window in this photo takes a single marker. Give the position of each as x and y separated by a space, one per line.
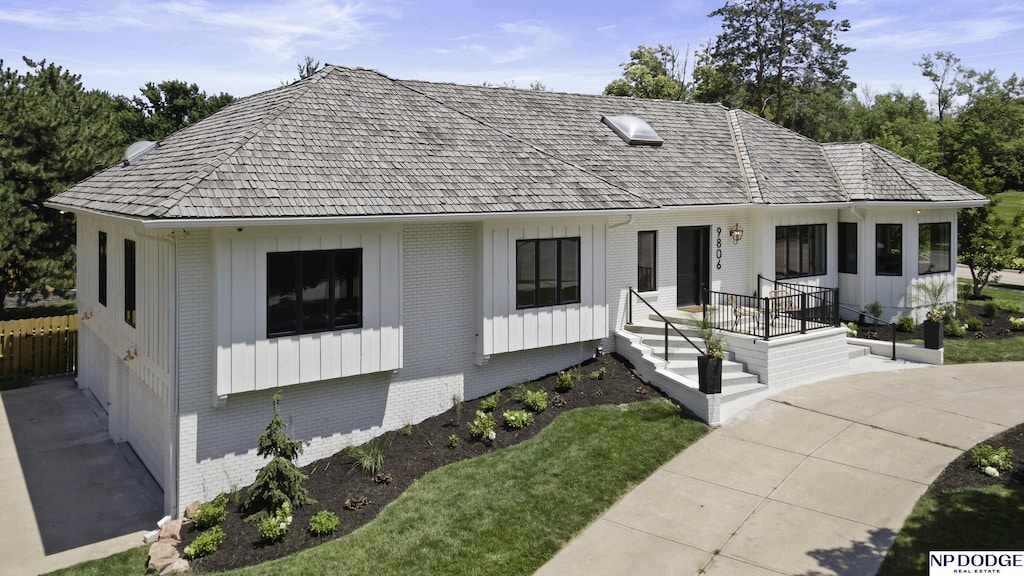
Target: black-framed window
848 247
647 261
101 269
129 282
547 272
888 249
800 251
934 247
314 291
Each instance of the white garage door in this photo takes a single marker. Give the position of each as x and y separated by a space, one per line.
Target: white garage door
147 426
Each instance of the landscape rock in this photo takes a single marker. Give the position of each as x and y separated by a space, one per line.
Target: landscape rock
177 567
161 555
171 530
190 510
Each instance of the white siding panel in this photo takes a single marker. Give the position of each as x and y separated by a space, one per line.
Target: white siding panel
243 313
351 340
265 349
370 358
222 257
390 304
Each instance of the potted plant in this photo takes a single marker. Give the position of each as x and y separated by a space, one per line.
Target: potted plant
934 328
709 363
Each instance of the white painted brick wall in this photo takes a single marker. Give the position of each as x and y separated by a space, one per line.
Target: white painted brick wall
218 445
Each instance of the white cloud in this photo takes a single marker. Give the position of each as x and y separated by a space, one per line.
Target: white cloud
536 40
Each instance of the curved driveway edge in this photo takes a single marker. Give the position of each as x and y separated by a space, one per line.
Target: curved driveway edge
816 480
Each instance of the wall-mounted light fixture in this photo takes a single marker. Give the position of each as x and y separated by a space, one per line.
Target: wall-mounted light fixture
736 233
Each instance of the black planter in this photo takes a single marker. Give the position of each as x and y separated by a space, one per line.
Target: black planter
933 333
709 374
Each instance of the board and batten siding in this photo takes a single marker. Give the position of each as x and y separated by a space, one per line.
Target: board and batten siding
149 341
247 360
503 328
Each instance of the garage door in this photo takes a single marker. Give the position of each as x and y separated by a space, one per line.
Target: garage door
147 426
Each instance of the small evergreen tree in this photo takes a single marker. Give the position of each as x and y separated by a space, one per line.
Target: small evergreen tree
280 480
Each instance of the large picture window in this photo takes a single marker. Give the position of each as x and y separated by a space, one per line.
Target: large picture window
102 270
129 282
848 247
933 248
314 291
647 259
800 251
889 249
547 272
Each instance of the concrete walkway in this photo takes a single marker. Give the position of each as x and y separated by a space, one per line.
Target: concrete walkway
68 493
817 480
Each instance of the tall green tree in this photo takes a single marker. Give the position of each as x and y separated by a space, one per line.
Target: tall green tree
779 57
171 105
53 133
652 73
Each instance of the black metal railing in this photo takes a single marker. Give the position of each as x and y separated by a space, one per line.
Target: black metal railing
862 314
668 324
780 313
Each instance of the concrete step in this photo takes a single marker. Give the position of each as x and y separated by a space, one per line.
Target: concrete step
734 390
857 351
648 327
688 368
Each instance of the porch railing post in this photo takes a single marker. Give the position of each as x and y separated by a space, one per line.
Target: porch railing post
629 309
666 342
767 318
803 313
835 307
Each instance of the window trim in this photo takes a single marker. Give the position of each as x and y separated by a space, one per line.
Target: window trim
883 249
297 262
537 243
814 255
101 269
130 304
947 228
653 235
847 249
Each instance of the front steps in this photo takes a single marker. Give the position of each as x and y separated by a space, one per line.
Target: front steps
643 343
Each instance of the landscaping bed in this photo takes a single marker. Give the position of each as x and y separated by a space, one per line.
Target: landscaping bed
339 485
996 326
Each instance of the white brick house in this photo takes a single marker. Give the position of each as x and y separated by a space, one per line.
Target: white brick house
378 247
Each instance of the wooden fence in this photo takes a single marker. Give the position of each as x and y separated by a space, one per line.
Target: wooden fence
38 347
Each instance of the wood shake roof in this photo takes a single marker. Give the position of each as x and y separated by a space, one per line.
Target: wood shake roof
352 142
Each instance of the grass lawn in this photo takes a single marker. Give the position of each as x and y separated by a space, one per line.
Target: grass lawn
967 350
1009 203
40 311
507 512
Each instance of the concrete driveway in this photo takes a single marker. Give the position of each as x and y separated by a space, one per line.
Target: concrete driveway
818 480
68 493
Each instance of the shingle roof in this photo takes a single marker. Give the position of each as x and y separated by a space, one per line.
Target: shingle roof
869 172
352 142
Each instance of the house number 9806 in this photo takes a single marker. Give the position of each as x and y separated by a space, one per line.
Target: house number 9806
718 249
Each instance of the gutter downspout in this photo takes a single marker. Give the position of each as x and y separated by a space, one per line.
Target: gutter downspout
620 224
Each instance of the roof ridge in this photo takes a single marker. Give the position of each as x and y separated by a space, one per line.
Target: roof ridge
174 199
833 171
743 157
514 138
899 173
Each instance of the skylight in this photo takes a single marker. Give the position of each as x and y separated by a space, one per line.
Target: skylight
633 130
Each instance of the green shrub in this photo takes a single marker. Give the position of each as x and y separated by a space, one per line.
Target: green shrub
205 544
275 526
851 329
520 390
490 404
323 523
1017 323
956 329
974 323
482 427
1009 306
599 374
536 400
280 480
453 440
567 379
989 309
210 514
517 419
905 324
874 309
370 456
999 458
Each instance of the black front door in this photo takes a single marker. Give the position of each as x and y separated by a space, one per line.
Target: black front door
693 258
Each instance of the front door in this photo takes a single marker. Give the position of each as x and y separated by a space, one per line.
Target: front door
693 270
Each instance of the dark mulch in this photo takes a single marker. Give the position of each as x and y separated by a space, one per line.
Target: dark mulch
961 472
997 326
412 453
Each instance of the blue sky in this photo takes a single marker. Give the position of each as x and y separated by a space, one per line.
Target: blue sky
243 47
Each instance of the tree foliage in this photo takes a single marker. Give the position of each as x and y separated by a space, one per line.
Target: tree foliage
170 106
280 480
652 73
778 58
53 133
